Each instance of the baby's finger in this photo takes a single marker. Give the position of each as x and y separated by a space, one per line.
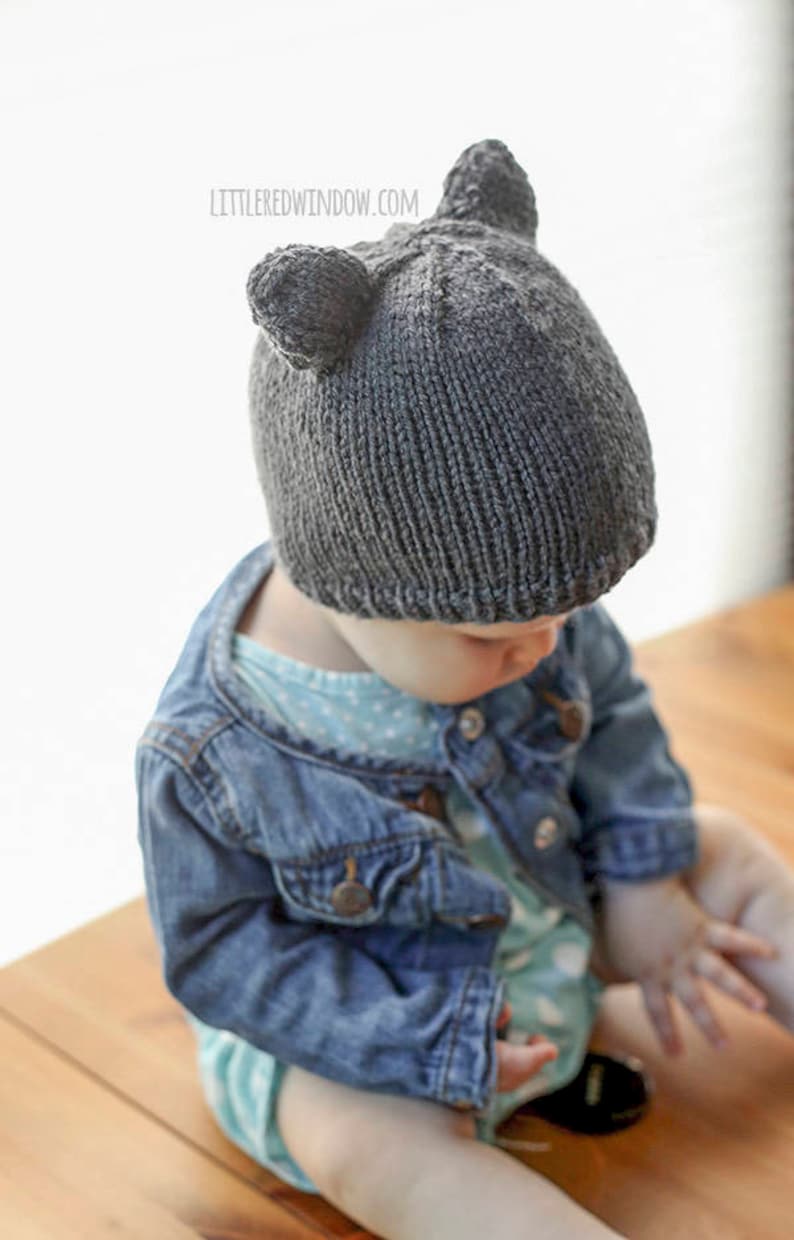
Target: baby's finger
505 1015
517 1064
720 973
725 937
660 1012
693 997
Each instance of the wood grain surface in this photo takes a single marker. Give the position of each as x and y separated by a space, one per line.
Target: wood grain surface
104 1131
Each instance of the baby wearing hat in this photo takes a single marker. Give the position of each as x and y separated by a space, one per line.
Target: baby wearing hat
456 469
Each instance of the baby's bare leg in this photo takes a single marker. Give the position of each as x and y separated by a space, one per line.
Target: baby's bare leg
406 1167
742 878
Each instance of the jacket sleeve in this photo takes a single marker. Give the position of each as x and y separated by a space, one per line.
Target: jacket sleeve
633 798
294 989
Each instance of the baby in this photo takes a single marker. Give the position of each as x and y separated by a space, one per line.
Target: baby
404 806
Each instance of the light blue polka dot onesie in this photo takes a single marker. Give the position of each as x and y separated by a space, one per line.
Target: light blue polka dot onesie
543 953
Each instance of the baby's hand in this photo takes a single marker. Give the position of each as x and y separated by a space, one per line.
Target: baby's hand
741 876
654 933
517 1064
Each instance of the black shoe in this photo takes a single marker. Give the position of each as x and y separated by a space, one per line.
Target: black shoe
609 1092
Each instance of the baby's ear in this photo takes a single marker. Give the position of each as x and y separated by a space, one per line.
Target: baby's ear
485 183
311 302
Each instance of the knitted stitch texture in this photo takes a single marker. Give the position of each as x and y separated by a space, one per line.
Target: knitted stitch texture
439 426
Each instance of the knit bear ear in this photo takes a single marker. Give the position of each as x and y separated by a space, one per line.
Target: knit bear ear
485 183
311 302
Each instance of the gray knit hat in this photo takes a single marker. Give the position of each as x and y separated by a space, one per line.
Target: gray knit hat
440 428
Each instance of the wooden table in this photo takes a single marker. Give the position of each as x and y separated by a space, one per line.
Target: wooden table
104 1131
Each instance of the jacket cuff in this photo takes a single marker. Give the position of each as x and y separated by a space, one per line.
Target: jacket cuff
635 850
469 1073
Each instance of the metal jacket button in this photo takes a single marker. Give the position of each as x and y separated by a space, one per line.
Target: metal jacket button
350 897
430 801
545 832
484 921
471 723
462 1105
570 715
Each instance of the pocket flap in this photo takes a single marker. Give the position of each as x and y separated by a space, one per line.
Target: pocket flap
353 887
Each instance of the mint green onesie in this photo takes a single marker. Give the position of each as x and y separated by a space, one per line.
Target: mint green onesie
543 953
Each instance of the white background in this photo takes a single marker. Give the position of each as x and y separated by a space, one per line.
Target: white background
654 136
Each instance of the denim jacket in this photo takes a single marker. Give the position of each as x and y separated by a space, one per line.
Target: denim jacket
319 904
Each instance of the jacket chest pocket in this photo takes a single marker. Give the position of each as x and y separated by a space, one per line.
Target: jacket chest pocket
411 882
355 886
